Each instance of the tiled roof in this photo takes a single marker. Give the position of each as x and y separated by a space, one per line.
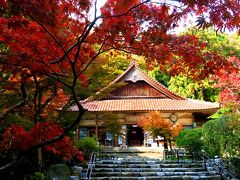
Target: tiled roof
164 105
152 82
171 103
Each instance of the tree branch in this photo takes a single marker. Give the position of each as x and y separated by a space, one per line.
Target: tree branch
53 37
12 163
130 9
94 57
70 48
21 103
81 110
95 10
39 107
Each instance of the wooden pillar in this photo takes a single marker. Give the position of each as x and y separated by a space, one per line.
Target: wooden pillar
96 128
124 135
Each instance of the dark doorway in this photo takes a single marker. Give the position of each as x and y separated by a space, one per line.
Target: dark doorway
135 135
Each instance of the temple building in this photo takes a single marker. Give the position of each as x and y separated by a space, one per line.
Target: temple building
138 95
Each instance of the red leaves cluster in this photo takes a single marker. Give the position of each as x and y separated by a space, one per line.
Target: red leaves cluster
186 55
146 31
229 82
17 138
220 14
65 149
40 33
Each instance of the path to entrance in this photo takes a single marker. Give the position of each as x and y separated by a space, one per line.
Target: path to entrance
150 155
148 152
138 164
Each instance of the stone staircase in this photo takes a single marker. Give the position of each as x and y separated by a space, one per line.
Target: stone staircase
137 167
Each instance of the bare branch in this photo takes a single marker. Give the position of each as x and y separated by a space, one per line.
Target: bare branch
21 103
39 107
94 57
70 48
12 163
37 98
48 100
95 11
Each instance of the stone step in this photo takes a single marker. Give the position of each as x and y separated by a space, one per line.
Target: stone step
128 161
148 169
180 165
142 161
212 177
127 165
186 165
151 173
141 168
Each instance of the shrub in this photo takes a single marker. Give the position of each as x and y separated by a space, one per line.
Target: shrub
87 145
235 166
221 136
190 139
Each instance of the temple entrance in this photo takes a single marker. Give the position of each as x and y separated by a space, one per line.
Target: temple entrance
135 135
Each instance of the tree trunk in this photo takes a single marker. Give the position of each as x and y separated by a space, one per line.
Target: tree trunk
170 144
165 144
39 154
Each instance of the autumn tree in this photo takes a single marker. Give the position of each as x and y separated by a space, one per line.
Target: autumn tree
223 44
226 79
229 83
50 44
158 126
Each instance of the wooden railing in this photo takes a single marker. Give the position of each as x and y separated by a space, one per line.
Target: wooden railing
179 154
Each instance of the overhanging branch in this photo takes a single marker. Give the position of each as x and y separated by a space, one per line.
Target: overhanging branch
21 103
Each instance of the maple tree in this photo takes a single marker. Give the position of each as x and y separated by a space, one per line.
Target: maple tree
48 45
229 82
16 137
226 78
159 126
